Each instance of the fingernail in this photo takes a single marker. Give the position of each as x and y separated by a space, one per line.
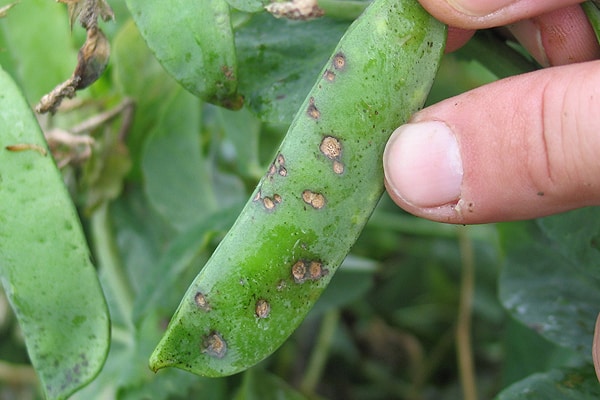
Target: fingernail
423 164
478 8
528 33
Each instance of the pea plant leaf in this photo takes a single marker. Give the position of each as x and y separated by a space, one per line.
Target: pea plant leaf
45 265
172 163
248 5
550 279
37 71
563 384
279 60
194 44
261 385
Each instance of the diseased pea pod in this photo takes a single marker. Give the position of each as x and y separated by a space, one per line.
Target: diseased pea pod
314 200
45 266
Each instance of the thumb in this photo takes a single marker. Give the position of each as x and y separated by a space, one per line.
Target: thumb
519 148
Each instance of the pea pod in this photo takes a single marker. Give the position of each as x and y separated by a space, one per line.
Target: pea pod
45 266
314 200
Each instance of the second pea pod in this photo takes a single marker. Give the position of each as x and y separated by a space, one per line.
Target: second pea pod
314 199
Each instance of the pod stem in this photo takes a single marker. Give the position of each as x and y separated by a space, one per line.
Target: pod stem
111 269
18 375
463 328
318 357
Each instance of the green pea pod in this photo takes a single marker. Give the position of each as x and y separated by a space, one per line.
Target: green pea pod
193 40
314 200
45 266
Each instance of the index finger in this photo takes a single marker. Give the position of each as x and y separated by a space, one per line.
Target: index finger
479 14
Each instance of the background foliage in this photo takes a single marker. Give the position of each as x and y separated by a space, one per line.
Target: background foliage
164 184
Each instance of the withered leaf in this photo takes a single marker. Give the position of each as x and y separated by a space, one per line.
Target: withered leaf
4 9
88 11
92 57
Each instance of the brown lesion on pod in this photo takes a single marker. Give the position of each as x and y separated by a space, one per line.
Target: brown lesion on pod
312 109
316 270
271 202
310 270
329 75
338 167
339 61
277 167
280 160
272 170
314 199
331 147
268 202
201 301
299 271
214 345
262 308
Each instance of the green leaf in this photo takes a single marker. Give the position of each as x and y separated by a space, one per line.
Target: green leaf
563 384
528 353
241 131
194 44
45 263
176 177
547 290
36 46
248 5
351 282
138 75
261 385
577 234
279 60
178 256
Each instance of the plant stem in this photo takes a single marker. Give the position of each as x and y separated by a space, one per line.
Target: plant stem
318 357
463 329
17 375
111 270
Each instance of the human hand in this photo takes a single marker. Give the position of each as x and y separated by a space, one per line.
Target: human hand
519 148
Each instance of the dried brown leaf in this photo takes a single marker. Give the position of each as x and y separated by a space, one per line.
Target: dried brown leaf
4 9
92 57
295 9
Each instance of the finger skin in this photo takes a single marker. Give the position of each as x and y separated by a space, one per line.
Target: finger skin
558 37
489 13
554 32
529 146
457 38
